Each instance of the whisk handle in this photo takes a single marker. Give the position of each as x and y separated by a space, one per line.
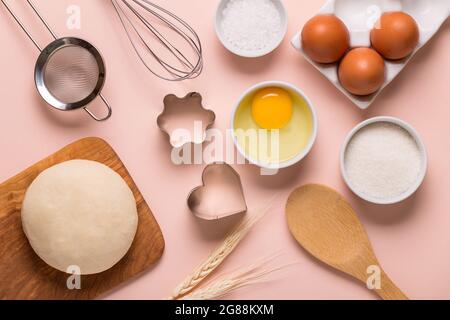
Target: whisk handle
108 115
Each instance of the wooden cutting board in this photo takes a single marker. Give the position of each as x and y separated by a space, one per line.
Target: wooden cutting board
23 275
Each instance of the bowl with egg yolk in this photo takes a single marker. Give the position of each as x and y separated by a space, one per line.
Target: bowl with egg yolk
274 125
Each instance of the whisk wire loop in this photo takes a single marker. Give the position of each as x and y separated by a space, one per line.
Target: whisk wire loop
132 15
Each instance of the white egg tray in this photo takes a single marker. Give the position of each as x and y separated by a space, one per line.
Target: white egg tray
360 15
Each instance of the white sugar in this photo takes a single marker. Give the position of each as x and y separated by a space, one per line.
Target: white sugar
251 25
383 161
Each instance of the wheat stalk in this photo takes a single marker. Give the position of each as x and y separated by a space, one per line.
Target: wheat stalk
231 282
220 254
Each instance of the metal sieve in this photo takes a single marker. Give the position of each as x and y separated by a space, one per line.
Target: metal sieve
69 72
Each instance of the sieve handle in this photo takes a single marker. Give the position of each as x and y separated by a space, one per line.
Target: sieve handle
16 18
32 5
93 116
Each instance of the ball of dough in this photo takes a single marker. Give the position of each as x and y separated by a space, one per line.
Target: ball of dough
80 213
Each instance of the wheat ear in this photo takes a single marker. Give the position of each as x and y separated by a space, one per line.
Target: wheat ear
228 283
220 254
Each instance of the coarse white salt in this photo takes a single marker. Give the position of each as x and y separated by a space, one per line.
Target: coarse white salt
251 25
383 161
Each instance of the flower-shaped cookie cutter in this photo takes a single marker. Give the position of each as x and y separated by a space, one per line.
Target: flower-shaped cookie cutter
220 195
185 120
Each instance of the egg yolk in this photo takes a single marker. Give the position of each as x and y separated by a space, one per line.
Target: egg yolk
272 108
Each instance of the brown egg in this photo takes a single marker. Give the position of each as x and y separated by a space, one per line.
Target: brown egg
361 72
395 35
325 38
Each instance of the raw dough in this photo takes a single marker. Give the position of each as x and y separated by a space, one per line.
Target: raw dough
80 213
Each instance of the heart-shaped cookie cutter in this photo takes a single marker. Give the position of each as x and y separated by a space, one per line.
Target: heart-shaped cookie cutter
220 195
181 117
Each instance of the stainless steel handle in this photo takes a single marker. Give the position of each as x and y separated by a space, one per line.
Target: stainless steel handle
21 24
108 115
31 4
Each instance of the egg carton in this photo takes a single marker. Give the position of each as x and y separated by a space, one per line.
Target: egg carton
360 16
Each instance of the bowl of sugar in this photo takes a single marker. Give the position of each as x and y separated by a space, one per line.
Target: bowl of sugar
383 160
251 28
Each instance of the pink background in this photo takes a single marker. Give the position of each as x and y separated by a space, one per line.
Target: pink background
412 240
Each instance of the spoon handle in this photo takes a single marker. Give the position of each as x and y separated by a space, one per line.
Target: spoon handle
388 290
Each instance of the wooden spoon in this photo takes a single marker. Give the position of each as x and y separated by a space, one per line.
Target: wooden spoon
324 223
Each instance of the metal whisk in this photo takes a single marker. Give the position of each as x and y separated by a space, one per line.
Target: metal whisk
167 46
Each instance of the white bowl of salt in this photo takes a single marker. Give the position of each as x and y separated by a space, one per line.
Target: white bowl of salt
251 28
383 160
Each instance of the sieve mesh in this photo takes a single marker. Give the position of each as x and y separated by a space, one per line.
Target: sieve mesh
71 74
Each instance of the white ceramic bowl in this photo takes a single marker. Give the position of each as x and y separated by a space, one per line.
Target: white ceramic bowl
294 91
420 145
257 53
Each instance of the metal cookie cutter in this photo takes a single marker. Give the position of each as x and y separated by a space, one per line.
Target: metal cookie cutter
185 120
220 195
